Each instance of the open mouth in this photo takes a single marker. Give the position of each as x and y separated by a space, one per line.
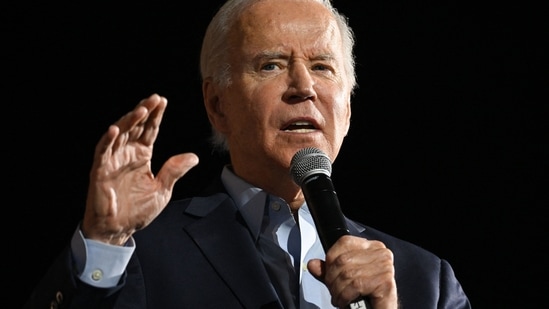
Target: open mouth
300 127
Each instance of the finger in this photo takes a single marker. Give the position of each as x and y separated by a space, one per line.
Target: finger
103 149
341 292
138 114
317 268
362 272
143 123
348 287
153 120
129 125
175 168
118 134
144 117
107 139
379 288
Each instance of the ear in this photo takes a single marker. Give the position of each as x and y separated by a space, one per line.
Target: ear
348 121
212 102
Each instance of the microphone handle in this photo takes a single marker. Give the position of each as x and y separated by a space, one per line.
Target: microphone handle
324 206
360 303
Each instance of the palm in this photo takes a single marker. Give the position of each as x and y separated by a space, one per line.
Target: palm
124 195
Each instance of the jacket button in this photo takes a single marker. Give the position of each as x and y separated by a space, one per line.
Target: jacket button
59 297
58 300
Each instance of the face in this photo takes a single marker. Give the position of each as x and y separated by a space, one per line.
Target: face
288 89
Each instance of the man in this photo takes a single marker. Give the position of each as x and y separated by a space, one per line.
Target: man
278 76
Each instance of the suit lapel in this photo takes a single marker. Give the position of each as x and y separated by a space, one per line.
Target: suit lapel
227 244
354 229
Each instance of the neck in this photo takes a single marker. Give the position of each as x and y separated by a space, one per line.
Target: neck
279 183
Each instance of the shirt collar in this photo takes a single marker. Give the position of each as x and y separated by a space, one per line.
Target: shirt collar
249 200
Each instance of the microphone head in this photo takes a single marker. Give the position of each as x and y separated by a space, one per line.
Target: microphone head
308 161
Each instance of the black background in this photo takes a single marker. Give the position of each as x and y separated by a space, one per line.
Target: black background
447 148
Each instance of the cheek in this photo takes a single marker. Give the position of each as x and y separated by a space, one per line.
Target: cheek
263 100
245 118
347 115
340 106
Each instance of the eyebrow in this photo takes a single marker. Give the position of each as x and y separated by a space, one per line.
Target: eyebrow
279 55
328 57
270 55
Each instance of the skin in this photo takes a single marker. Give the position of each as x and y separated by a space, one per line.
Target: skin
283 70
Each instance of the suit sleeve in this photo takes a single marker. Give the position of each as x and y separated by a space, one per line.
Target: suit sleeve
452 295
61 288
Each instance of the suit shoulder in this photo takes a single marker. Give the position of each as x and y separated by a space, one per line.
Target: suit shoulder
400 247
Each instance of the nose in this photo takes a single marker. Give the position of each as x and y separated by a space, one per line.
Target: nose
300 85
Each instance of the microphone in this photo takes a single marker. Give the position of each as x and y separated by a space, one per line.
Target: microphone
311 170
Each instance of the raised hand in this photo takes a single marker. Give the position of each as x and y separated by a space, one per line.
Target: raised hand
356 267
124 195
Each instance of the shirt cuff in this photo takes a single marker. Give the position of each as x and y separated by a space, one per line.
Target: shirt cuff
99 264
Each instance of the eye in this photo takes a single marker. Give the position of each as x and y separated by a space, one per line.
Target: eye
319 67
269 67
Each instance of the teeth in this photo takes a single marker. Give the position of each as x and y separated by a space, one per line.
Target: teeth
301 127
301 130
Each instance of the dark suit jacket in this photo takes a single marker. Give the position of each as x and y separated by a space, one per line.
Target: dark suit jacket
199 253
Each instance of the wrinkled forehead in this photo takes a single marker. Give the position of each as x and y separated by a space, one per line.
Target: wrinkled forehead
268 11
280 23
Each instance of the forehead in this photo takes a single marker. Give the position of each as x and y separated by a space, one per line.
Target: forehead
286 24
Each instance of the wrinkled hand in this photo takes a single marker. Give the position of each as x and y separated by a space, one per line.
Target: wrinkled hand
123 195
355 267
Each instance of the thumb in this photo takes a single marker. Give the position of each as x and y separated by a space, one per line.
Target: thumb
317 268
175 167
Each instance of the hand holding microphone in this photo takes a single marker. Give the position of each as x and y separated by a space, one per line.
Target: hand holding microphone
311 170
